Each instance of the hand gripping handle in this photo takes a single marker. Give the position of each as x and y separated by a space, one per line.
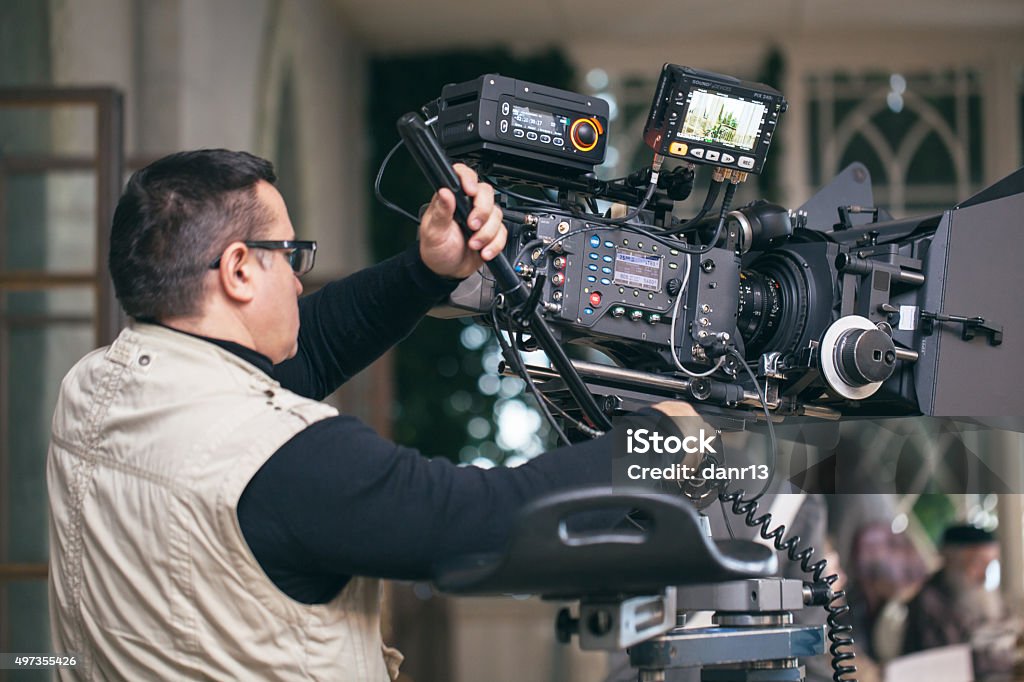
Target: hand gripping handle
431 159
434 164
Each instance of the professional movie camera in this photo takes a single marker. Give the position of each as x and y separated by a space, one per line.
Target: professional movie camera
830 309
758 308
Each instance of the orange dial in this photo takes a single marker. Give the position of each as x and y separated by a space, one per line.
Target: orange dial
584 133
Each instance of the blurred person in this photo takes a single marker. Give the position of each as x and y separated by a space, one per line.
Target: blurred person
884 569
955 606
209 517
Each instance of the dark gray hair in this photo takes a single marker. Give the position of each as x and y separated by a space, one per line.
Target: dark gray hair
174 218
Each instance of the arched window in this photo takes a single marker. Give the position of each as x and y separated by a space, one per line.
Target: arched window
919 134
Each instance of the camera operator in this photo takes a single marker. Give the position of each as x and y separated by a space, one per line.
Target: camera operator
209 517
956 607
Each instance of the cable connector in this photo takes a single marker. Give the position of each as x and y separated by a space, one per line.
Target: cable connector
656 165
732 175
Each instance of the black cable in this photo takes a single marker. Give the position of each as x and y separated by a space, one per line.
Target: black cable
725 516
624 220
522 371
709 201
513 356
617 222
533 201
730 191
527 247
380 195
773 454
840 636
629 227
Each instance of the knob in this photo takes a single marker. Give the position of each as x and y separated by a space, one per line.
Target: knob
618 311
566 626
585 133
654 318
866 356
636 315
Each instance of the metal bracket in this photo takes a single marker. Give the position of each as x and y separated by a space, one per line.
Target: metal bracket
616 624
970 329
700 647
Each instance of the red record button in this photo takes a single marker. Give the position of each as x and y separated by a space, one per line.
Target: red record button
595 299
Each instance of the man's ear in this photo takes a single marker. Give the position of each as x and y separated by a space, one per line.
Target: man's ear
236 273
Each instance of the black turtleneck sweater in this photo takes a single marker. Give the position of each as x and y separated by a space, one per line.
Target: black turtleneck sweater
337 500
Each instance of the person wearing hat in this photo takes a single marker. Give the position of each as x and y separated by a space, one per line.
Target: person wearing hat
957 606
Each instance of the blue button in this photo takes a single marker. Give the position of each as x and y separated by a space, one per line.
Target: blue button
592 266
593 256
610 244
588 311
591 278
607 259
606 270
605 281
595 241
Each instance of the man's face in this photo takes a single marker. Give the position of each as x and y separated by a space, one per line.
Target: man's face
275 310
970 563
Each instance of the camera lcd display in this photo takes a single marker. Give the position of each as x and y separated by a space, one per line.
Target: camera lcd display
713 118
638 269
537 120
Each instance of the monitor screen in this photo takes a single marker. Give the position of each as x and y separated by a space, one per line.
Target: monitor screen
637 269
718 119
538 120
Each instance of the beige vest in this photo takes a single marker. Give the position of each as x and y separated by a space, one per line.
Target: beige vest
154 440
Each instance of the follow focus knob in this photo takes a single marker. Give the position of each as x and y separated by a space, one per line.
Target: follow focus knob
866 356
585 133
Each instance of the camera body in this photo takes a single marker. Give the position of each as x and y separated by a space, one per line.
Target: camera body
865 316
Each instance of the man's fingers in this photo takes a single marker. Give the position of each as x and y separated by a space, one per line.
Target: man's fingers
467 176
481 193
483 204
440 212
488 231
496 245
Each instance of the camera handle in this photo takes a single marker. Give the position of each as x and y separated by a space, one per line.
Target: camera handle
436 167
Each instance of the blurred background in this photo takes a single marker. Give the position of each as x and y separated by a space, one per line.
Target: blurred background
928 94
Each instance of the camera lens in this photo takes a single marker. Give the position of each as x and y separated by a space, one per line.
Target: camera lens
773 303
760 307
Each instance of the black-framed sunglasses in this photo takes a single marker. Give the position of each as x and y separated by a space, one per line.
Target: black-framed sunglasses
301 254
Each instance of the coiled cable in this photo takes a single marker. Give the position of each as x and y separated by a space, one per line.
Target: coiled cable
840 636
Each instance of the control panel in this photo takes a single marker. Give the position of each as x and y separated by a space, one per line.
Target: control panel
617 284
494 115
